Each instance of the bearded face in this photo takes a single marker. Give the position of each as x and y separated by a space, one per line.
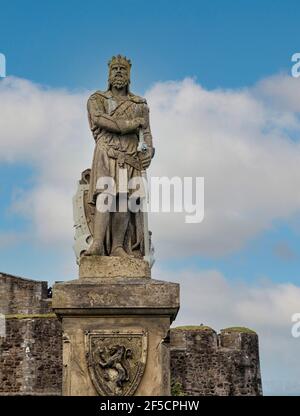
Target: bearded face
119 76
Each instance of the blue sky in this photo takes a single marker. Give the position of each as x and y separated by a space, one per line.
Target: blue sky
224 46
227 45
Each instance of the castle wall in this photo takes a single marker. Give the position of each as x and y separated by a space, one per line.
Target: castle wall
30 351
206 363
22 296
31 356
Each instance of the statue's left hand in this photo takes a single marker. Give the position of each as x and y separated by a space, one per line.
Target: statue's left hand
146 158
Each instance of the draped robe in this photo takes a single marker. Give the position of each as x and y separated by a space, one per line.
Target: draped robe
114 151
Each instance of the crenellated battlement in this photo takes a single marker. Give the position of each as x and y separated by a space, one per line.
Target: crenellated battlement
207 363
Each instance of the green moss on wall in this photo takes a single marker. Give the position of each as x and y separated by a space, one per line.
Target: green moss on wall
239 329
194 328
30 316
176 388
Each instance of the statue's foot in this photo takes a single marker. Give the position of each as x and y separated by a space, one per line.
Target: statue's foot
95 249
119 252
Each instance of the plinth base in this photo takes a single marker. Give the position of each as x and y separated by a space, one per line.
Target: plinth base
110 266
115 335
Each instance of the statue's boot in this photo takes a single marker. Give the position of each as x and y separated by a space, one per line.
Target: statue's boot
96 249
120 222
119 252
100 225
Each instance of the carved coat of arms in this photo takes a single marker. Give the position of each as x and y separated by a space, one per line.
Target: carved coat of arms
116 360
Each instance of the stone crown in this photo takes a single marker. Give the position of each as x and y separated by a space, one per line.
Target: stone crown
119 59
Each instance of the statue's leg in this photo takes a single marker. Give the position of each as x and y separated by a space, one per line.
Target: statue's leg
120 221
101 222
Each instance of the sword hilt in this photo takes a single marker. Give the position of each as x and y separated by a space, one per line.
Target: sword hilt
142 146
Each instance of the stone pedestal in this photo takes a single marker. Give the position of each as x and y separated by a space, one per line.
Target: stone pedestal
115 330
108 267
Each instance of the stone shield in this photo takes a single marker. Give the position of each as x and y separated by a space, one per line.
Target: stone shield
83 216
116 360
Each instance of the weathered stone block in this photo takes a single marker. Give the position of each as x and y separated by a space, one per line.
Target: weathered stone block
102 318
110 267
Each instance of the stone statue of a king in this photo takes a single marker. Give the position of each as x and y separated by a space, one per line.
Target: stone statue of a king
117 118
115 317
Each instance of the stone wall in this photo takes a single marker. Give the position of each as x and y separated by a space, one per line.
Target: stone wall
206 363
30 351
31 356
202 361
22 296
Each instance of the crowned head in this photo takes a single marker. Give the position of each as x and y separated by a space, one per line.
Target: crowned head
119 72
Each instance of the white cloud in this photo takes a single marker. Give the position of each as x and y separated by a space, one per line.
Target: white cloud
281 91
240 143
47 129
237 139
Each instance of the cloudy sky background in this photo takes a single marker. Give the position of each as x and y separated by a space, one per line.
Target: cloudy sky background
223 105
